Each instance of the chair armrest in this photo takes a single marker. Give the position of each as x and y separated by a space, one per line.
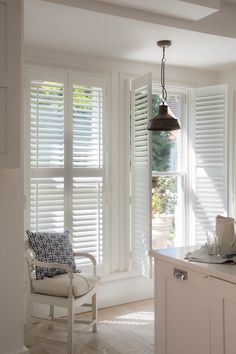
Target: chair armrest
67 269
90 256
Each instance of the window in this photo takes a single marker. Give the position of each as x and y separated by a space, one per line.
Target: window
185 170
65 159
168 178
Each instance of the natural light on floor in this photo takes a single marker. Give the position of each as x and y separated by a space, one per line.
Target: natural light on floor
141 318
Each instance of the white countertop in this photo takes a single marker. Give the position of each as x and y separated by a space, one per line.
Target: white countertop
176 256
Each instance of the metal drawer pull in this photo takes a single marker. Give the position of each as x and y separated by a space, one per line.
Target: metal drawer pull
180 274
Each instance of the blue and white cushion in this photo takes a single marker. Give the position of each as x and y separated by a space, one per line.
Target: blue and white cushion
51 247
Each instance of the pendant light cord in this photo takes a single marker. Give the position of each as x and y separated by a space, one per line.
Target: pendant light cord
164 92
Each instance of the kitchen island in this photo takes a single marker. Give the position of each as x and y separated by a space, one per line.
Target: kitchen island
195 305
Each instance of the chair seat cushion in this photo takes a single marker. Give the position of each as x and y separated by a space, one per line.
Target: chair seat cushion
59 285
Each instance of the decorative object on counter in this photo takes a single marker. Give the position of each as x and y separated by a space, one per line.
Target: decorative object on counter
164 120
201 255
220 246
213 244
226 233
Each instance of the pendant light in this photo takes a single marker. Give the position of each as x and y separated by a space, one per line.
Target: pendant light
164 120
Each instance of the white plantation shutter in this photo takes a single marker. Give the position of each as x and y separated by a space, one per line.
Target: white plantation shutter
210 147
140 174
65 158
88 216
46 190
88 173
47 124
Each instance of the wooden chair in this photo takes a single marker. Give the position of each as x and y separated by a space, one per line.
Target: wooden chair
70 291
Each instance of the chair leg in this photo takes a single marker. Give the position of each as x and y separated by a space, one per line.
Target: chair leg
94 312
29 309
70 325
51 316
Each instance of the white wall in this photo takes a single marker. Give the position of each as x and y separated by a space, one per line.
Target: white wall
11 180
11 256
121 286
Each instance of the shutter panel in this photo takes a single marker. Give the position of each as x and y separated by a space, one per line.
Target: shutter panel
47 204
47 124
140 175
10 83
210 146
88 217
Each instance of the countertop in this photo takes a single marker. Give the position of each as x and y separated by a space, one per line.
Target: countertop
175 256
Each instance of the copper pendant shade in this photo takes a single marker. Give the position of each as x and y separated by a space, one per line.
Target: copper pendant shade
163 121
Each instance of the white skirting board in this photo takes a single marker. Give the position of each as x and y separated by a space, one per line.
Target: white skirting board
22 350
123 291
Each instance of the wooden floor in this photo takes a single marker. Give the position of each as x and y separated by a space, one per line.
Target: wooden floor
124 329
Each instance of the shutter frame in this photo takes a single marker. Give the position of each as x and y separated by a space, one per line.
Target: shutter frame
88 167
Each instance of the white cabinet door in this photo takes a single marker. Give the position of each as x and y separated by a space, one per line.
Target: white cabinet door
182 311
223 316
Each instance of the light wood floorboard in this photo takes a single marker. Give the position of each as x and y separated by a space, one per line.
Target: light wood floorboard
124 329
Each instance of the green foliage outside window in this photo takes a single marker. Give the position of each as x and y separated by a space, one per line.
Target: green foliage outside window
164 195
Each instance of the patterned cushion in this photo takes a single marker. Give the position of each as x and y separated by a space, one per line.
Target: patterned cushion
51 247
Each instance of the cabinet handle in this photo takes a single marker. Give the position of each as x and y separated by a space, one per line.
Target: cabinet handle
180 274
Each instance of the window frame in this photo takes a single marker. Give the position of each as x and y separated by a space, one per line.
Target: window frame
183 170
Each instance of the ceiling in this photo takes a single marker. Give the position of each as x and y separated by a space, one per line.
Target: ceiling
96 31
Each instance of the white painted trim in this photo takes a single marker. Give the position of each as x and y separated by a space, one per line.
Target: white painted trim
232 154
225 16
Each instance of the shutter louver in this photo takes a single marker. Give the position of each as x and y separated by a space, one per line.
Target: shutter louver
47 124
210 150
140 172
87 127
47 204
